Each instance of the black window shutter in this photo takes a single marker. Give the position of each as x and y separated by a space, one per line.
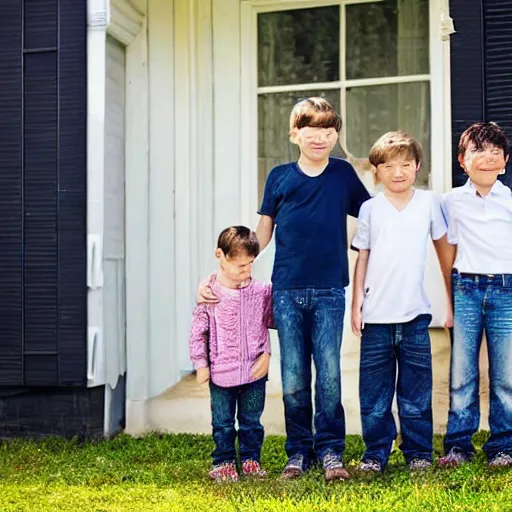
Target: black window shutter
467 74
43 320
498 67
11 194
481 70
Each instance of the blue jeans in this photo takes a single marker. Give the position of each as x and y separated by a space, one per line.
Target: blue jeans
384 347
481 304
246 404
310 325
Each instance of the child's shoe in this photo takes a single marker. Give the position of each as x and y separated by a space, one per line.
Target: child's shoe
419 464
333 468
454 458
370 466
224 472
252 468
501 460
295 467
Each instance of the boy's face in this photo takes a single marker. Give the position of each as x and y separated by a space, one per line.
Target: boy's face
237 268
398 174
315 144
483 165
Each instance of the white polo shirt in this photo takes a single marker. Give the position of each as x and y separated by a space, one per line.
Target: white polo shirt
481 227
397 241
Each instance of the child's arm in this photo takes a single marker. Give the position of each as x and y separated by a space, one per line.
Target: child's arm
198 343
445 249
268 312
267 211
361 242
260 367
264 230
446 255
358 291
357 195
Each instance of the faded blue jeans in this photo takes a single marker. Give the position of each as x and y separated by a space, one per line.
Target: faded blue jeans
384 347
245 403
310 326
481 304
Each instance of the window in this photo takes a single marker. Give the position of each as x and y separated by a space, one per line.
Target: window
369 59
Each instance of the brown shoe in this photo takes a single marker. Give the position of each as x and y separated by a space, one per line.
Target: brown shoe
294 468
333 468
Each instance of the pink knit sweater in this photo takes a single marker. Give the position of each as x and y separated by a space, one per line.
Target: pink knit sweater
229 336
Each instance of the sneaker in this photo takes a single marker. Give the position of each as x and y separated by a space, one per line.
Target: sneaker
454 458
252 468
370 466
294 468
419 464
224 472
333 468
501 460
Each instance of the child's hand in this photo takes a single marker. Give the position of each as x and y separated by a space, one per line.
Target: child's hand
202 375
448 323
205 294
357 321
260 366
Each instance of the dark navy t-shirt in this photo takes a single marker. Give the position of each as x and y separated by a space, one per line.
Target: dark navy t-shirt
310 214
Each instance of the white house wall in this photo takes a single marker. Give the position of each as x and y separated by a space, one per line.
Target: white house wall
163 370
186 179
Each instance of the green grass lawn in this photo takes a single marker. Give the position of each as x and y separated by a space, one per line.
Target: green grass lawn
169 473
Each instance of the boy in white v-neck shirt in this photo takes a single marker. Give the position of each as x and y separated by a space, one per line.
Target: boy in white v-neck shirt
390 308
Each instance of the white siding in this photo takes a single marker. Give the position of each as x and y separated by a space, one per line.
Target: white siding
114 222
162 357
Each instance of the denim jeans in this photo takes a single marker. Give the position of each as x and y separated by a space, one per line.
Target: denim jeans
481 304
309 322
384 347
246 404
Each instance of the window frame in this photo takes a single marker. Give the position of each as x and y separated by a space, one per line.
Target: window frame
438 79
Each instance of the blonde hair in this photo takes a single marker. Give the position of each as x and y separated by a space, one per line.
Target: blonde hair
315 112
396 143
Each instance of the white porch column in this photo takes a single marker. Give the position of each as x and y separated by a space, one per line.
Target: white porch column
194 161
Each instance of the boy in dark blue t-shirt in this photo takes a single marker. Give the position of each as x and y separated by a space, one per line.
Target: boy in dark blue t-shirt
308 202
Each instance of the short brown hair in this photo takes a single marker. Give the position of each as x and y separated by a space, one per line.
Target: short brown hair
315 112
393 144
481 134
237 239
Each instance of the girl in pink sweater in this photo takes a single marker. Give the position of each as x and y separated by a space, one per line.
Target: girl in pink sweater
230 347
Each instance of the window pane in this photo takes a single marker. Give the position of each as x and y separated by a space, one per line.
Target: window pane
274 146
388 38
372 111
298 46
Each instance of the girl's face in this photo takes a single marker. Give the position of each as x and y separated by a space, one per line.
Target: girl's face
236 268
483 165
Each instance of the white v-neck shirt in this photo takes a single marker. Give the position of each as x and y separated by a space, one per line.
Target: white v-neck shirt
481 227
397 241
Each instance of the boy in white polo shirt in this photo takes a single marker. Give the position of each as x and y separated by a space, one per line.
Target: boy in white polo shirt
390 307
479 216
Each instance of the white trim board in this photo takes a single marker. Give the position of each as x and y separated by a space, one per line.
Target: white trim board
125 21
286 5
